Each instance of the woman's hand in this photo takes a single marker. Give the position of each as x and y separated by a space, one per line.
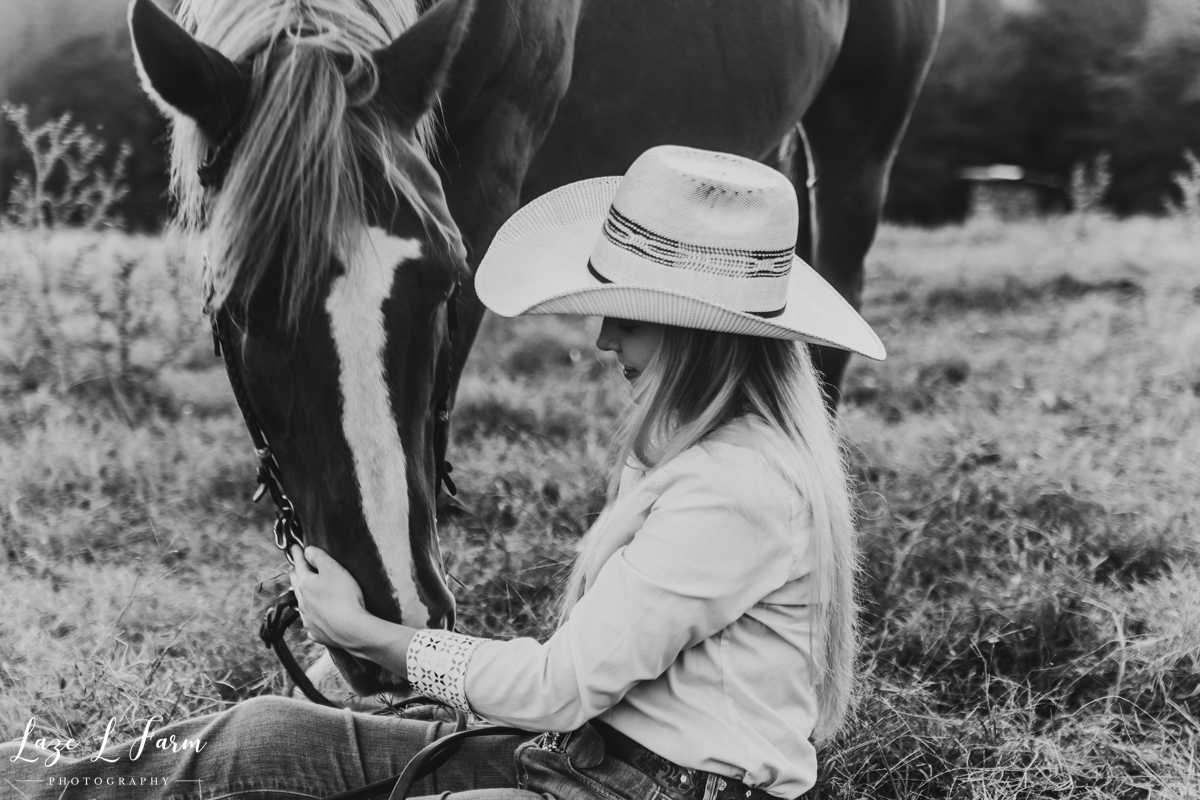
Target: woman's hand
331 602
333 612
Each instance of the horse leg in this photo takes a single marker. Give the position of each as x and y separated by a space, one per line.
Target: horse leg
853 129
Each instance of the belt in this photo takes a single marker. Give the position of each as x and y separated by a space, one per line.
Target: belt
691 783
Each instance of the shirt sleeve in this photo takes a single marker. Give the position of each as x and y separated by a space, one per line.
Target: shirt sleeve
716 541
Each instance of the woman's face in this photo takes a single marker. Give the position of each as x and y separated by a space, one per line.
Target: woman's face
635 343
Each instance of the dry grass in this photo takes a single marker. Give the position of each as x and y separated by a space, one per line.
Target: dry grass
1028 466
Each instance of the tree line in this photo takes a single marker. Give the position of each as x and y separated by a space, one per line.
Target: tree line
1058 84
1042 84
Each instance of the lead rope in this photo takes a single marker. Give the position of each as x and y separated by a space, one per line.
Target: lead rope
428 760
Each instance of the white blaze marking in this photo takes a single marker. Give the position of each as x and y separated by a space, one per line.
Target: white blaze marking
355 308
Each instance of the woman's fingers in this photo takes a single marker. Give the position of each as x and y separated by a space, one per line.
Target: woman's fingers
330 600
323 562
319 558
299 561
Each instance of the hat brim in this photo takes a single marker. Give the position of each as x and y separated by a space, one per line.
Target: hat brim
538 264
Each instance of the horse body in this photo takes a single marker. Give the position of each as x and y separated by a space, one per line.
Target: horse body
816 88
732 75
343 340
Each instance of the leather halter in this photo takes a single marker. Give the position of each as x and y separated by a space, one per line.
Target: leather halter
284 612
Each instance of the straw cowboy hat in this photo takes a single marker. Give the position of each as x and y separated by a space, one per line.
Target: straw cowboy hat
688 237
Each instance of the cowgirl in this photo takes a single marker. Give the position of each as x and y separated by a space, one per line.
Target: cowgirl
707 633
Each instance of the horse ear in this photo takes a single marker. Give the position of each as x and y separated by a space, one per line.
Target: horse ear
414 68
181 73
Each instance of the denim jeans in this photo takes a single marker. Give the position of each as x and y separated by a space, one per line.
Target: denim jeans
273 748
266 748
579 769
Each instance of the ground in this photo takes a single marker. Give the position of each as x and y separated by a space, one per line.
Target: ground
1026 458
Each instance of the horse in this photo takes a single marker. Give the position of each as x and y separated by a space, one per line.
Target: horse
347 162
819 89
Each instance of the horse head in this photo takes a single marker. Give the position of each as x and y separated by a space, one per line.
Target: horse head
299 159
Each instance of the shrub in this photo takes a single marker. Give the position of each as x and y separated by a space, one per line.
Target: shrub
84 305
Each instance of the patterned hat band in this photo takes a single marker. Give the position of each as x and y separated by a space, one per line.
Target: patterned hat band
752 281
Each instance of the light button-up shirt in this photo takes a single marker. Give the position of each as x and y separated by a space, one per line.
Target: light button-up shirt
694 636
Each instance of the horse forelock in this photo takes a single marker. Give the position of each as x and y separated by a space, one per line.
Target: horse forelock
294 193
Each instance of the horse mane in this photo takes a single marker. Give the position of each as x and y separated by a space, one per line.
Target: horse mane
294 192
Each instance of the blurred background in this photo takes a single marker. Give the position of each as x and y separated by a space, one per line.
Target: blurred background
1045 86
1026 460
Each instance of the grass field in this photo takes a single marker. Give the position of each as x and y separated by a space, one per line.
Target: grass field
1028 461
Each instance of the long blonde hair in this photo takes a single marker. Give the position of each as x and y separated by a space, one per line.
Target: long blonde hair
699 381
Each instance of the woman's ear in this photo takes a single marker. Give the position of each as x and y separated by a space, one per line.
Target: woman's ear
183 74
415 67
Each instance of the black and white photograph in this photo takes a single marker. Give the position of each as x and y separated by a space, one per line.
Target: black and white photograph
600 399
